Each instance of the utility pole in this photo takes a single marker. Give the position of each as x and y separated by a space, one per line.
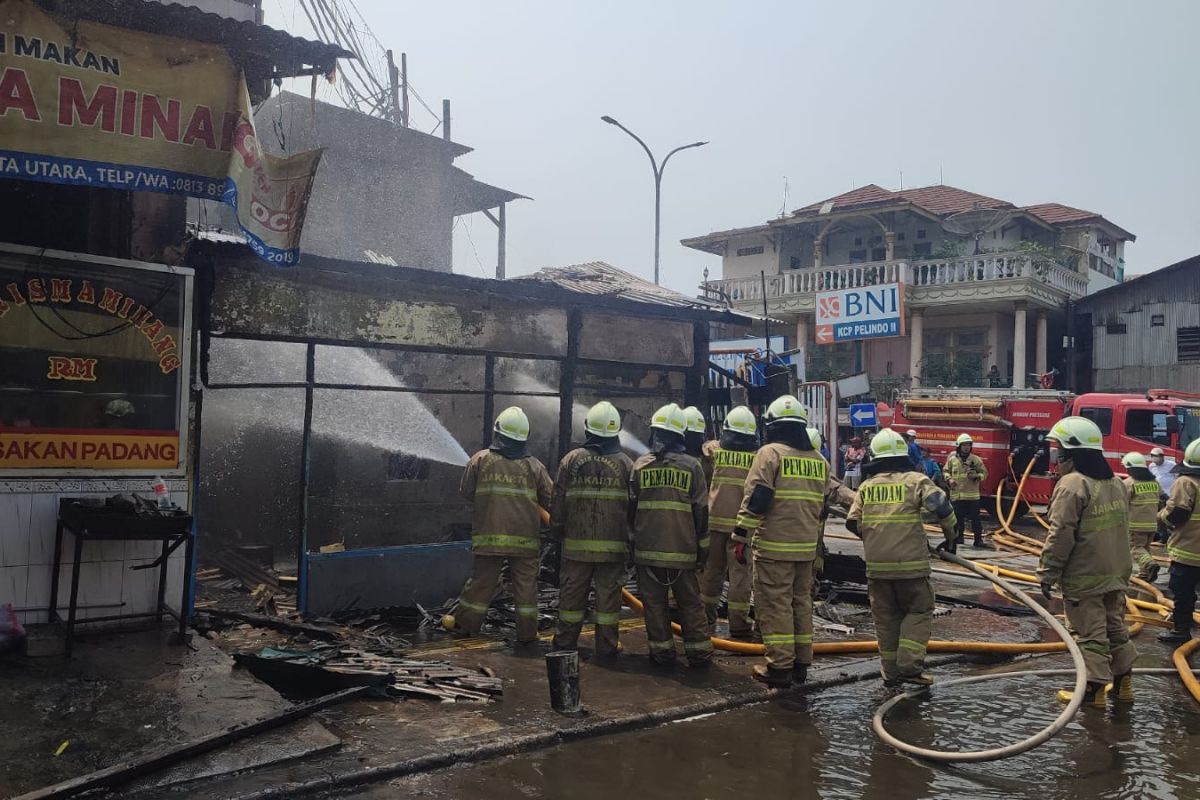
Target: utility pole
446 120
394 89
404 89
658 173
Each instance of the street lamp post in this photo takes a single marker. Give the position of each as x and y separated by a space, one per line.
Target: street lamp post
658 173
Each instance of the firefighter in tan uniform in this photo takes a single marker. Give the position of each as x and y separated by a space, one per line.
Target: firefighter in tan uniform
1144 492
887 516
1087 554
669 513
785 494
590 515
1181 516
506 487
731 458
964 472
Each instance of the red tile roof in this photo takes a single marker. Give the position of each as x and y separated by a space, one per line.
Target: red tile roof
868 195
1058 214
946 200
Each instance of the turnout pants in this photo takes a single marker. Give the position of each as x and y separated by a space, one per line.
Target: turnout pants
481 587
1139 549
783 607
655 585
720 559
1098 622
575 578
968 510
1183 583
903 613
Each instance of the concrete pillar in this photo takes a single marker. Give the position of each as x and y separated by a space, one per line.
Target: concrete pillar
1018 378
995 356
916 333
818 255
889 246
1040 353
802 332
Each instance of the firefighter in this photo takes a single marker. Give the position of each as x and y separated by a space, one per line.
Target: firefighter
886 515
785 494
693 437
590 514
1143 492
668 509
1181 515
506 486
1087 554
731 458
964 472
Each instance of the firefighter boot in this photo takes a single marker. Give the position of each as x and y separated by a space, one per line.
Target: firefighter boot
1123 687
1095 695
1175 636
772 677
800 673
918 679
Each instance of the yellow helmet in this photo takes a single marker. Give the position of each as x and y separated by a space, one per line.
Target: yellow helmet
669 418
814 436
963 438
786 409
603 420
888 444
513 423
741 420
1191 456
695 420
1133 460
1077 433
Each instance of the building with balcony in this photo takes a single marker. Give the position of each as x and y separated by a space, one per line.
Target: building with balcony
972 300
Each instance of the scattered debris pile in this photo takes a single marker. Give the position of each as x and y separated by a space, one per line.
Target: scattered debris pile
270 592
330 668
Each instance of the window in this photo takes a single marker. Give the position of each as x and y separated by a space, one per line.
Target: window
858 256
1187 343
1148 425
878 254
1115 328
1101 416
900 236
794 262
920 233
858 242
1157 321
923 249
750 251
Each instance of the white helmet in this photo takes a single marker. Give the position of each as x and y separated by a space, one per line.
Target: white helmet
603 420
1077 433
695 420
741 420
512 423
1133 460
669 418
814 436
888 444
786 409
1191 456
963 438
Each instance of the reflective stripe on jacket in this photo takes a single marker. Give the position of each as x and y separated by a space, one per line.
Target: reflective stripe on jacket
590 507
1143 505
800 481
505 493
1184 544
957 471
1087 548
670 495
888 509
729 471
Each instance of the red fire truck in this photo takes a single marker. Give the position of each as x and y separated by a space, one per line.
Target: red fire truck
1014 422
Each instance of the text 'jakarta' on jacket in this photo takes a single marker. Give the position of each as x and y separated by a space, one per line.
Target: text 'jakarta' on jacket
1184 544
1087 548
590 511
670 498
505 493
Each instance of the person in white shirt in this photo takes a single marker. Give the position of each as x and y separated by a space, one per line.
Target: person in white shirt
1161 468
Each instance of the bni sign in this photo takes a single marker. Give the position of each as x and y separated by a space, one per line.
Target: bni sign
872 312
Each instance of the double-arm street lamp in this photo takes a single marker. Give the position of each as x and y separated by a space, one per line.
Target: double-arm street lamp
658 173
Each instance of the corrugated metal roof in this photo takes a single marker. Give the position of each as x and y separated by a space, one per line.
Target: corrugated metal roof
605 280
286 53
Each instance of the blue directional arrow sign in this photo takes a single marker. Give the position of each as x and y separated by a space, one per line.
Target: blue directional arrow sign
862 415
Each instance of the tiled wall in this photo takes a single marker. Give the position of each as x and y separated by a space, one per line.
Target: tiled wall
28 510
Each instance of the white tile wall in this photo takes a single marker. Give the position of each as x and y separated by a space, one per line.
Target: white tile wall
28 516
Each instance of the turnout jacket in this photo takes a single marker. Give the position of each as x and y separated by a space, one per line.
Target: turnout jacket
506 493
590 507
962 486
785 495
1143 505
668 502
888 512
1184 544
1087 549
725 488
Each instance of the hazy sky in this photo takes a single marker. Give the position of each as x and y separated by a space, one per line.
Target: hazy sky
1094 104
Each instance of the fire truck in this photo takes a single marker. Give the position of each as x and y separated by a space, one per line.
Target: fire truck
1009 427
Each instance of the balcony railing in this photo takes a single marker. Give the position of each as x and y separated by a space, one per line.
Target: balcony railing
980 270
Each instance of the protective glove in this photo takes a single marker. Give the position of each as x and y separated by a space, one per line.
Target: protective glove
1047 588
701 557
739 552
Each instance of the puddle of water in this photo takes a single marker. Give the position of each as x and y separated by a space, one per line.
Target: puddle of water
824 747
